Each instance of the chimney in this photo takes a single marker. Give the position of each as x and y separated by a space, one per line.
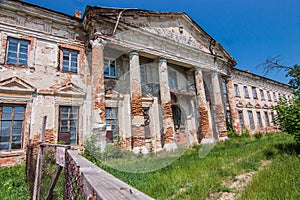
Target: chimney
77 14
247 70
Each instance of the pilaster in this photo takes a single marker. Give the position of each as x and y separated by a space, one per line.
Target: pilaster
232 107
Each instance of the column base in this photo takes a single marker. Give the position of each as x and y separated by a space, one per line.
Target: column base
223 139
170 147
207 141
141 149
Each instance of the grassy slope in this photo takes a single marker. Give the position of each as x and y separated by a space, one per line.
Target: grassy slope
12 183
190 177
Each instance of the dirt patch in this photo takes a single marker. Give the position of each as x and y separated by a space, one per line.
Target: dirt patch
239 183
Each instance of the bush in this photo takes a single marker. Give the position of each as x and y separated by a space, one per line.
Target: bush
288 117
258 135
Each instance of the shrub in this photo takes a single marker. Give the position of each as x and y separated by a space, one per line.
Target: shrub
288 117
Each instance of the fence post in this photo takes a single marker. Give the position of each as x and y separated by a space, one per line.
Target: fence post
38 172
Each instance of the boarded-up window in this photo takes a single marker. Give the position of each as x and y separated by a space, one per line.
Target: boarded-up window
11 127
68 123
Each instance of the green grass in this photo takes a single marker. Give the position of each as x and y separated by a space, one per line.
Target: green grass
13 184
191 177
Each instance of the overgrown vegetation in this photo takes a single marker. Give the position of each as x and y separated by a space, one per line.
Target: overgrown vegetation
13 184
190 177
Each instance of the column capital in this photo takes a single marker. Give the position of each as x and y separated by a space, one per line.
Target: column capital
98 42
162 59
133 53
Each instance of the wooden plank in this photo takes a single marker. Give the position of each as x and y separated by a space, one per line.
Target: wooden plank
104 185
39 164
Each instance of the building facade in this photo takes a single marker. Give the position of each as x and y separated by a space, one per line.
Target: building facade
142 79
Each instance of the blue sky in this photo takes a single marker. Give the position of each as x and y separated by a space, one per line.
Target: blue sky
250 30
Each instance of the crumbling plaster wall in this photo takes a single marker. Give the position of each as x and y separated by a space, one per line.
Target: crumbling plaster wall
259 104
47 32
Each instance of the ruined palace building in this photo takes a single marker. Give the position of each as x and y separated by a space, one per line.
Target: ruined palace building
139 78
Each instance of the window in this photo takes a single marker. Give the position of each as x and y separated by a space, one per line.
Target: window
250 115
269 96
267 119
228 117
70 60
275 96
262 95
236 90
254 93
111 124
109 68
246 93
259 119
11 127
68 123
172 80
144 74
17 52
241 118
224 87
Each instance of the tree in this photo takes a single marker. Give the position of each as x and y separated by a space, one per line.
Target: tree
288 113
293 73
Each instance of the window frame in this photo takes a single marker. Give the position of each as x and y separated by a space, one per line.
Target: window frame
262 94
246 92
68 126
111 124
269 96
241 119
172 75
267 120
251 119
12 121
110 61
259 119
254 92
69 68
17 52
236 90
275 96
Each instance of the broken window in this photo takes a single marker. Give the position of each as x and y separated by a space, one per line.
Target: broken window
11 127
246 93
68 124
17 51
236 90
259 119
267 119
241 118
109 68
250 115
70 60
173 80
111 124
254 93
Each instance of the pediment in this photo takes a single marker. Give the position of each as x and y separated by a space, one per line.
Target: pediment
265 106
113 94
257 105
239 104
249 105
70 89
155 29
16 85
